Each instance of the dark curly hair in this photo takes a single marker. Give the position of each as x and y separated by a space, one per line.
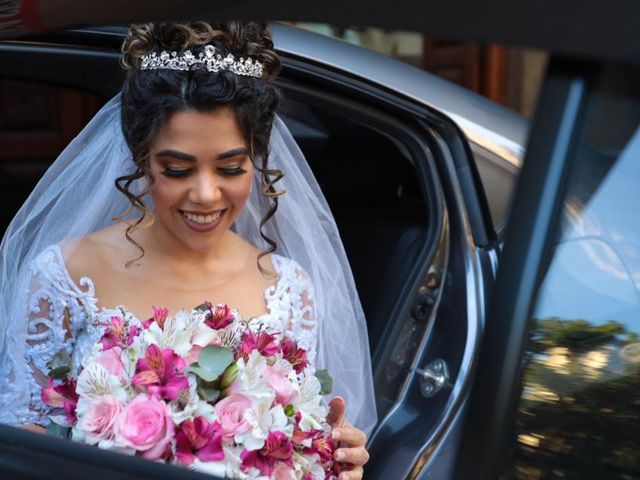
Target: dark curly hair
149 97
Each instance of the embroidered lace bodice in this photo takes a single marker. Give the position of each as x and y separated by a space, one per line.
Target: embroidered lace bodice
65 318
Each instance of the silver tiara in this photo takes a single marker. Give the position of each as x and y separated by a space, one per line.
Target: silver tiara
209 59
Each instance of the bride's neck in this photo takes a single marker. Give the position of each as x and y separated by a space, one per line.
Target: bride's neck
163 245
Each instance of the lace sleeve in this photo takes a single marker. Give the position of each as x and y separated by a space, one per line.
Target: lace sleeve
296 297
54 318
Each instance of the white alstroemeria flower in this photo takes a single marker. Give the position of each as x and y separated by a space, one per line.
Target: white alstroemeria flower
304 463
181 332
95 381
233 461
263 420
282 366
189 406
249 380
309 403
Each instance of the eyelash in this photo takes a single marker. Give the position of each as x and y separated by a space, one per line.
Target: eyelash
229 172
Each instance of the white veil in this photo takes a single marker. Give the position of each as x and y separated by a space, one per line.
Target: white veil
76 196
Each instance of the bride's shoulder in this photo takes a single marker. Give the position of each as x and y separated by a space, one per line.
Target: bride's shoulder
273 262
83 255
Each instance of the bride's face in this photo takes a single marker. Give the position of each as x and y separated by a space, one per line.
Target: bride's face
203 175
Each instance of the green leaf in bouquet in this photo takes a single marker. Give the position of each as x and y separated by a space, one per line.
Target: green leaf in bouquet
60 373
208 394
59 366
326 382
289 410
229 376
57 430
203 307
213 360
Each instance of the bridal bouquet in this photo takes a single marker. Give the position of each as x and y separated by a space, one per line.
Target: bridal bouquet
205 389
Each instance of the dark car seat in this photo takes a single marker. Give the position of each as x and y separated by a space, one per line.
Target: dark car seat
380 212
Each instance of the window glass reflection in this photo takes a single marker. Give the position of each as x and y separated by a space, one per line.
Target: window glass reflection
579 412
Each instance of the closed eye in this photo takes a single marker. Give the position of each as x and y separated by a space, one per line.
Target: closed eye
233 171
176 172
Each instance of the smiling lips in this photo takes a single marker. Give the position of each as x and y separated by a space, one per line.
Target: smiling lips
202 221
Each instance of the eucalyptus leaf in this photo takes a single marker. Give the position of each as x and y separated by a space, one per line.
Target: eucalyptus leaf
202 307
203 373
60 373
208 394
57 430
213 360
326 382
59 359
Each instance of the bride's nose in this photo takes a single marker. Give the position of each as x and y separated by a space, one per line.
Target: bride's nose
205 189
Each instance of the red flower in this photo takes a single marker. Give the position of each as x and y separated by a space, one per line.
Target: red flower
219 317
62 395
159 316
199 439
277 449
117 334
296 356
161 372
264 343
322 445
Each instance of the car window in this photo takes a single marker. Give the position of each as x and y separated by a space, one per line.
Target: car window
578 415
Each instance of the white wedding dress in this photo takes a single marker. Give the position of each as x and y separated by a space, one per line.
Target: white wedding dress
65 319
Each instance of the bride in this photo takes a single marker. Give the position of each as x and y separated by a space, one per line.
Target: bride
185 187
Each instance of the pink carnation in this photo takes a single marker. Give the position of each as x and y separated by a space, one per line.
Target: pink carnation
145 426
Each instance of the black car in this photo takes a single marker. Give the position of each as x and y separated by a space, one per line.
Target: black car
560 341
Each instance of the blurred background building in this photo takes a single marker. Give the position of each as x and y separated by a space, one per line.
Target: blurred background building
509 76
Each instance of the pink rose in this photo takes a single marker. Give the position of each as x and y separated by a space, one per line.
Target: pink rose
99 418
230 411
281 385
112 363
145 426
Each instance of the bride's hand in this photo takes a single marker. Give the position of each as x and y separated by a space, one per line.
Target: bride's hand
352 441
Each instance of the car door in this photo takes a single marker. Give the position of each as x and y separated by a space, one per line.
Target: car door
408 196
556 395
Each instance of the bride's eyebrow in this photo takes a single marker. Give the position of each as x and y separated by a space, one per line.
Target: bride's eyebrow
176 154
234 152
185 156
